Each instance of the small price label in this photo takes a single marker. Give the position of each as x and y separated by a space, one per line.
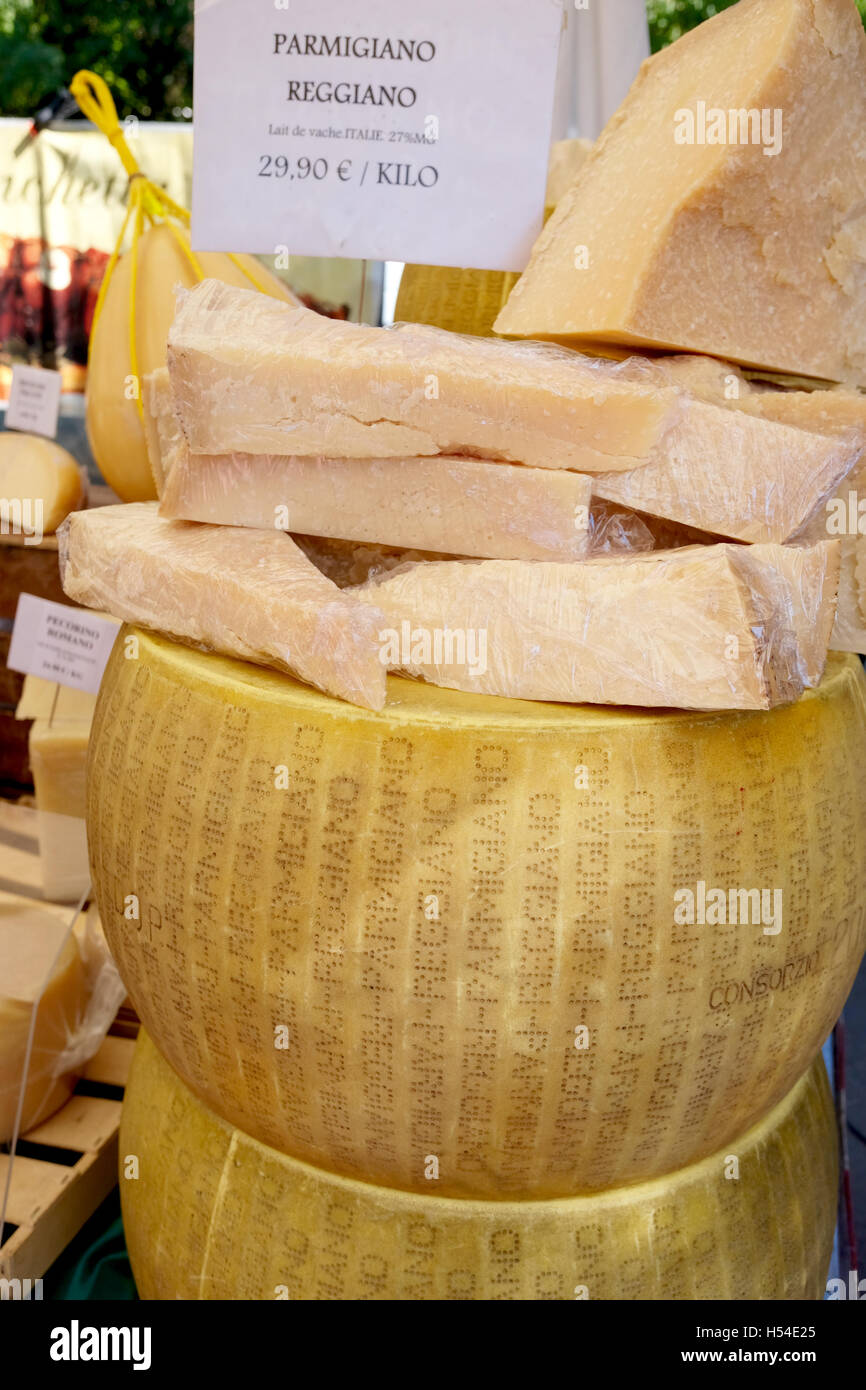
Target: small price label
34 400
58 643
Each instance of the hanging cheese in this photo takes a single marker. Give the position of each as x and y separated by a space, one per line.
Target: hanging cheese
449 929
701 627
40 484
721 210
253 376
114 421
211 1214
37 957
251 594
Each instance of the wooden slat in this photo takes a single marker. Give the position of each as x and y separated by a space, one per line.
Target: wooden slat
112 1062
35 1185
32 1249
83 1124
21 542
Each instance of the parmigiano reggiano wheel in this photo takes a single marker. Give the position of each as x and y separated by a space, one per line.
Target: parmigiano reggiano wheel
448 929
214 1215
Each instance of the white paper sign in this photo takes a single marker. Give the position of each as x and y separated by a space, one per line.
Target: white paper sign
58 643
34 400
386 129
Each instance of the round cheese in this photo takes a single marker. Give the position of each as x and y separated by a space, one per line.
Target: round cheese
456 931
36 964
211 1214
40 483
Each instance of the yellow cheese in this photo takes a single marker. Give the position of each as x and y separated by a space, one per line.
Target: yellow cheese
567 158
35 960
114 423
40 483
734 474
251 594
254 376
462 505
448 929
721 211
212 1214
701 627
58 743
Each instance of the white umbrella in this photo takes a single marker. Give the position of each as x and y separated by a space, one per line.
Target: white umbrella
604 45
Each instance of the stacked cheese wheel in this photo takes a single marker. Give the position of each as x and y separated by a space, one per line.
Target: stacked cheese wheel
445 950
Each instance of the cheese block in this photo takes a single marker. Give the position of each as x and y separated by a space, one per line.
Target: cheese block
162 432
253 376
251 594
702 627
135 315
467 506
211 1214
448 929
58 758
40 484
733 474
741 148
39 961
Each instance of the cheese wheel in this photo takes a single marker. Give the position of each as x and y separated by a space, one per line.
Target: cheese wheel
32 945
448 929
40 483
212 1214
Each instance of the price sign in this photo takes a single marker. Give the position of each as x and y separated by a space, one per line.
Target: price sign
58 643
381 129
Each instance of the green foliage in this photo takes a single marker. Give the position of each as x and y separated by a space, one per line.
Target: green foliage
143 49
669 19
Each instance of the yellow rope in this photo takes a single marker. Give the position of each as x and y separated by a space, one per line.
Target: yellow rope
147 202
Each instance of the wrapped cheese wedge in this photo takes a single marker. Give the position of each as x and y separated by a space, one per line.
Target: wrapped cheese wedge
251 594
704 627
250 375
721 210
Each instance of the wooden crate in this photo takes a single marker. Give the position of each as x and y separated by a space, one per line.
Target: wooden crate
50 1199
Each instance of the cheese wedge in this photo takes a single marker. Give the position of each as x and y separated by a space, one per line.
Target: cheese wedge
456 505
733 474
37 958
163 435
253 376
40 484
704 627
722 209
251 594
58 759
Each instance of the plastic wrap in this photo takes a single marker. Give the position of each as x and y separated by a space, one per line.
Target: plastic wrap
250 594
216 1215
457 506
704 627
252 376
58 996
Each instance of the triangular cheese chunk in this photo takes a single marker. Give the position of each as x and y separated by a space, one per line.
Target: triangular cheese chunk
752 249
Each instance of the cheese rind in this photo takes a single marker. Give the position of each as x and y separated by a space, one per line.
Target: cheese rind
452 505
703 627
434 902
251 594
253 376
749 241
39 482
214 1215
37 956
